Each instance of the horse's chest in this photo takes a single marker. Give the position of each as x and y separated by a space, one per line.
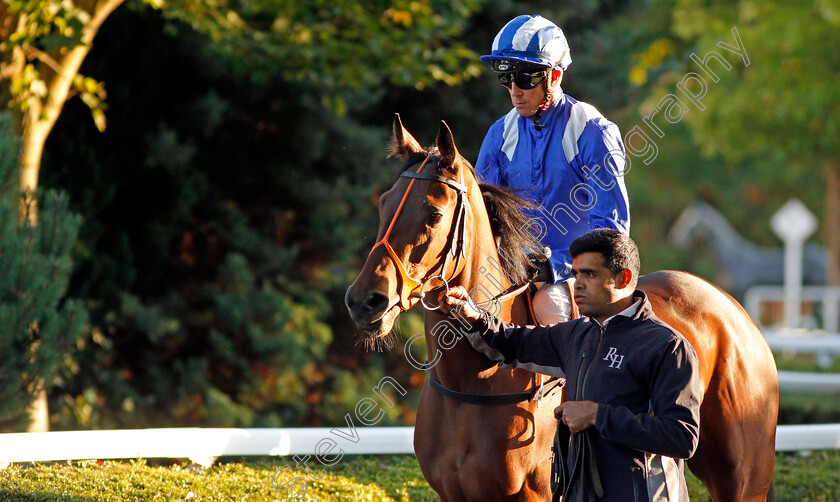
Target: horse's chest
480 453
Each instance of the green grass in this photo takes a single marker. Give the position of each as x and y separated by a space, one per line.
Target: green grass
397 478
386 478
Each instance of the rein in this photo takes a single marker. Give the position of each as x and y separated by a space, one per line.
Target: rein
535 394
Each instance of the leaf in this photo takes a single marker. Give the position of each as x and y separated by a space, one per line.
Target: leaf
53 42
90 85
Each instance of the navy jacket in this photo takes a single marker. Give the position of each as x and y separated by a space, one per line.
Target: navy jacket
643 375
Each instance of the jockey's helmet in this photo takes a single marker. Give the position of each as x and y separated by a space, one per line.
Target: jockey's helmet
528 43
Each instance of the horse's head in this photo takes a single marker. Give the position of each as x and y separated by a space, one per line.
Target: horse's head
422 234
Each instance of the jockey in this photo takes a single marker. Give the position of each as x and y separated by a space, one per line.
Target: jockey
559 152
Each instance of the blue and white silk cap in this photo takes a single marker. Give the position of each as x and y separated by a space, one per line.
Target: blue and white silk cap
528 39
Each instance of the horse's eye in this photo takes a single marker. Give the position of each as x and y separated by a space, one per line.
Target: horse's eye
435 218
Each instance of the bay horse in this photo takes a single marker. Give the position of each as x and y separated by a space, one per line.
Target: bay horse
439 224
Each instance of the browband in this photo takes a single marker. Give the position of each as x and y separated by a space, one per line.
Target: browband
446 181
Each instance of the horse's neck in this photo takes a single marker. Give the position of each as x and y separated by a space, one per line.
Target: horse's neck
455 363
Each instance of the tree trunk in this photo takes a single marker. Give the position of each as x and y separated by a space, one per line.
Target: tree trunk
39 413
34 137
832 223
36 125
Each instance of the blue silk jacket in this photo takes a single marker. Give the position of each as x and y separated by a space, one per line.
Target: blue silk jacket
572 167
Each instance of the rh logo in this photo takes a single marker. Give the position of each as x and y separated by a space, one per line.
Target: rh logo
614 358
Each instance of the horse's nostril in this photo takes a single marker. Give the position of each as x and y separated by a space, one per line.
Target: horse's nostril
375 302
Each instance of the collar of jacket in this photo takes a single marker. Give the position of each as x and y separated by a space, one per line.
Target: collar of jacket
645 311
548 117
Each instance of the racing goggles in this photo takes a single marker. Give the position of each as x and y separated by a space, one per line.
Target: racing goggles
525 80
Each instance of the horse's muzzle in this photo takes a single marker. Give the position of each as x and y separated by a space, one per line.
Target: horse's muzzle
366 310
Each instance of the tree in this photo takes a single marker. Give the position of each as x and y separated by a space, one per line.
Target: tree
43 46
36 326
209 306
770 108
336 46
341 46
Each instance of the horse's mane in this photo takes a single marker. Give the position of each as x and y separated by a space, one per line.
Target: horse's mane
511 228
508 221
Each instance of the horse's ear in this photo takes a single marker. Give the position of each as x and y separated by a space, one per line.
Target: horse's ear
446 145
404 144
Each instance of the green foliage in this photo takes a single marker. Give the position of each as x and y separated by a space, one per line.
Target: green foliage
729 154
762 136
790 82
43 32
340 46
46 25
37 327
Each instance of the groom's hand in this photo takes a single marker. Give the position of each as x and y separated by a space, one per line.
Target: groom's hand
458 299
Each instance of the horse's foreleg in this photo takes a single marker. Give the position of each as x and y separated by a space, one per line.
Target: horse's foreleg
537 487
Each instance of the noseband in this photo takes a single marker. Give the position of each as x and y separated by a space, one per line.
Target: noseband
411 290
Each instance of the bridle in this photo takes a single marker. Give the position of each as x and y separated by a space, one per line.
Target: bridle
412 290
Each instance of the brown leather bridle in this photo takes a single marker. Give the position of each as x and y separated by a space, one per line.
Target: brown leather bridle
411 289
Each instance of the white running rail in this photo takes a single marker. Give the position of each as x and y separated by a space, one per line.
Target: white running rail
204 445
